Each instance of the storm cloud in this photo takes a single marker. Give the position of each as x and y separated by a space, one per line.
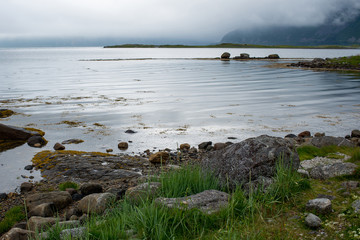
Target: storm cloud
200 20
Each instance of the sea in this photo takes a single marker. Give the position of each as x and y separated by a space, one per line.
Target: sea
168 97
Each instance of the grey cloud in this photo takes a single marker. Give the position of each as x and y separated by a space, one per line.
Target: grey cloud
187 19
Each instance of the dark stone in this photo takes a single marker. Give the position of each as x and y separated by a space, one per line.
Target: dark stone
305 134
204 145
129 131
72 191
225 55
274 56
72 141
330 141
59 146
36 141
347 136
251 159
14 133
232 138
290 136
26 187
77 197
123 145
89 188
355 133
29 167
3 196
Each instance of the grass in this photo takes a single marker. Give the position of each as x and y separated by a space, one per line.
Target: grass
14 215
352 60
63 186
309 152
231 45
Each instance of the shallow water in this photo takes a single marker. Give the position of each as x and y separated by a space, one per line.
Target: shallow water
168 99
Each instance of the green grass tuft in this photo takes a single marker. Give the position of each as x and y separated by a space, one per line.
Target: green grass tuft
12 216
63 186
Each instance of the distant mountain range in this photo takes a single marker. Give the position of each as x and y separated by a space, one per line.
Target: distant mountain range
329 33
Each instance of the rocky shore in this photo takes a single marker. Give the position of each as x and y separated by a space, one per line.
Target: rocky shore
104 176
326 64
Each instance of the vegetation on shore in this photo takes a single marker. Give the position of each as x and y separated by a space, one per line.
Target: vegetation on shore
351 60
231 45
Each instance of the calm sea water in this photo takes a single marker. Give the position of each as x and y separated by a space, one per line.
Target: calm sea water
168 99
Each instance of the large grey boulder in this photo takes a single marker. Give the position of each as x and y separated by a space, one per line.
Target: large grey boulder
60 199
329 141
251 159
143 191
95 203
312 221
209 201
333 170
15 133
320 205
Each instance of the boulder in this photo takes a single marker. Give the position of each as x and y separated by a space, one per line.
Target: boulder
123 145
312 221
274 56
251 159
219 146
329 141
43 210
184 146
59 146
244 55
333 170
305 134
355 133
90 188
39 224
204 145
317 135
18 234
225 55
36 141
129 131
209 201
60 199
159 157
26 187
320 205
4 113
14 133
3 196
96 202
73 233
72 141
142 191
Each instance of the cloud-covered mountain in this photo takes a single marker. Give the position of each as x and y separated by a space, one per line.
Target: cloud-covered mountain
342 28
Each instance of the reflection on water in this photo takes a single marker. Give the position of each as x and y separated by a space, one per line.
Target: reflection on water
167 100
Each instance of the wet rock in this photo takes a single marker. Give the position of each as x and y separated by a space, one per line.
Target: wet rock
95 203
129 131
36 141
305 134
73 233
14 133
312 221
26 187
333 170
123 145
250 159
350 185
356 206
244 55
329 141
4 113
60 199
318 135
159 157
29 167
89 188
355 133
184 147
18 234
143 191
290 136
209 201
43 210
3 196
273 56
39 224
72 141
204 145
225 55
109 150
320 205
59 146
219 146
231 138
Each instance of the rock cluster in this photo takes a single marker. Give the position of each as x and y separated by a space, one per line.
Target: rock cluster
324 64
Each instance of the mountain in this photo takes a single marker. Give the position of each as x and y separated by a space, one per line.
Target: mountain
329 33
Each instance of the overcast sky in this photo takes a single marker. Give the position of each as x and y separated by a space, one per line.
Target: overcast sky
201 20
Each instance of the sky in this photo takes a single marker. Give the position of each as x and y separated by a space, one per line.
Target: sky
193 20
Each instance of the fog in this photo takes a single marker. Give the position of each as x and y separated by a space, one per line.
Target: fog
192 20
